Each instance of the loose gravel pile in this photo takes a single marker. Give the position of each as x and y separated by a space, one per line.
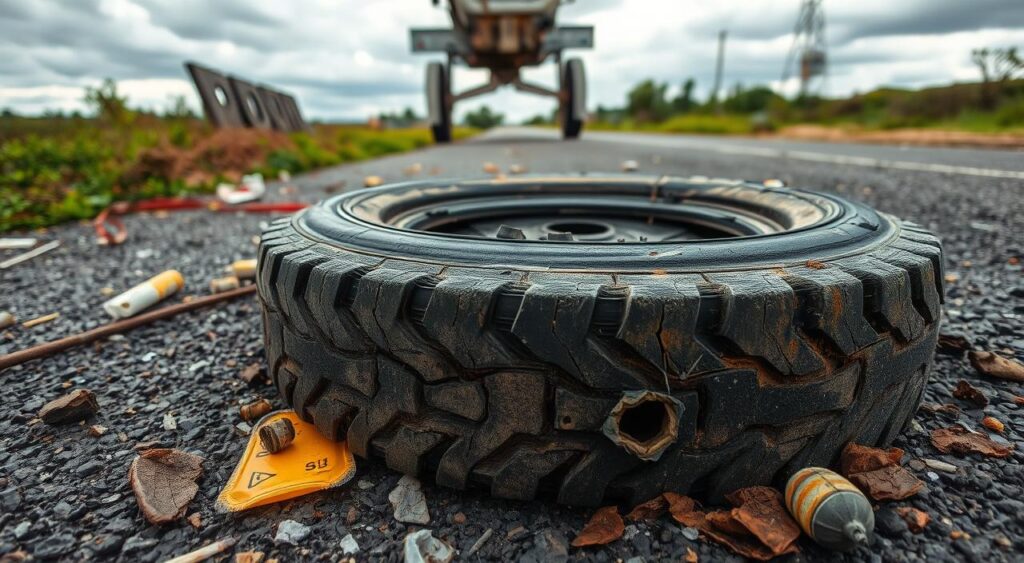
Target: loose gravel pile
64 491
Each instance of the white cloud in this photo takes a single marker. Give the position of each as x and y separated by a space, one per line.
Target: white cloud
348 59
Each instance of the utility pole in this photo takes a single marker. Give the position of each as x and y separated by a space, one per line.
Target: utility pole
718 67
807 53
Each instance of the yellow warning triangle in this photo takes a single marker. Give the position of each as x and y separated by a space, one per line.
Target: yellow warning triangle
311 463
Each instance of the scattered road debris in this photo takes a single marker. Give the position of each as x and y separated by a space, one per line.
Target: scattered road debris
220 285
878 472
291 532
255 410
604 527
480 542
277 435
26 256
169 423
20 243
993 365
243 269
145 295
251 188
349 545
516 169
7 320
195 520
423 547
491 168
97 430
650 510
164 482
250 372
630 166
644 423
759 527
916 519
413 169
961 441
372 181
967 392
109 227
312 463
73 407
249 557
953 344
409 503
939 465
54 346
993 424
204 553
843 523
40 320
774 183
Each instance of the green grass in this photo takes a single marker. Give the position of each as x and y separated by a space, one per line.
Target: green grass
698 123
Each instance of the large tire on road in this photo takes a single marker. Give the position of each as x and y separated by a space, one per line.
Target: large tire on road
695 335
439 111
573 108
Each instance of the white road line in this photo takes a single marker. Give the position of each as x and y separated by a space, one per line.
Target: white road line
767 152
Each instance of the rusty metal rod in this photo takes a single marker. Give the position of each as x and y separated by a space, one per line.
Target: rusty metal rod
59 345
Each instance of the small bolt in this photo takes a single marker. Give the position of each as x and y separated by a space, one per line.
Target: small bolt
512 233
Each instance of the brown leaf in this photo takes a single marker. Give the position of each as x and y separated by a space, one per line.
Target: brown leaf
724 529
250 373
916 519
604 527
967 392
954 344
76 405
761 511
684 510
650 510
992 365
959 440
691 556
892 482
249 557
857 459
164 481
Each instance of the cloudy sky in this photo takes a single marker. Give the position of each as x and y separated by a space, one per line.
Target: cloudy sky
348 59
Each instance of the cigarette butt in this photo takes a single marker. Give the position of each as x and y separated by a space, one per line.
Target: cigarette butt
491 168
277 435
516 169
145 295
40 320
220 285
244 269
255 410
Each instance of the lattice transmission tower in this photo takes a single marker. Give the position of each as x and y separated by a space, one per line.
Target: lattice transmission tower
807 57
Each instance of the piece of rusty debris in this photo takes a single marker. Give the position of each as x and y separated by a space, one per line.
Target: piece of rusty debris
644 423
7 320
967 392
993 424
830 509
815 264
164 482
26 256
691 556
916 519
650 510
856 458
73 407
491 168
97 430
249 557
250 372
954 344
959 440
243 269
277 435
630 166
204 553
220 285
888 483
479 543
372 181
604 527
195 520
992 365
254 410
423 547
40 320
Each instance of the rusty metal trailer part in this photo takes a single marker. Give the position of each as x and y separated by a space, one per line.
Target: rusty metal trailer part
600 338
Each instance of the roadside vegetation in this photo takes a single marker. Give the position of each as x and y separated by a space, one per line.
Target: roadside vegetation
61 167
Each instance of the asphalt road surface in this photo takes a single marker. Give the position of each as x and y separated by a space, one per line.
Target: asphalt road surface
64 493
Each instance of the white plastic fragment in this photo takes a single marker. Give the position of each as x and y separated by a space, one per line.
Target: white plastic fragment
170 424
251 188
630 165
12 243
409 502
290 531
25 256
145 295
423 547
349 545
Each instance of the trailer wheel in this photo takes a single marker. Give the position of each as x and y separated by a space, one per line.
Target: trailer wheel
597 339
573 107
438 86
